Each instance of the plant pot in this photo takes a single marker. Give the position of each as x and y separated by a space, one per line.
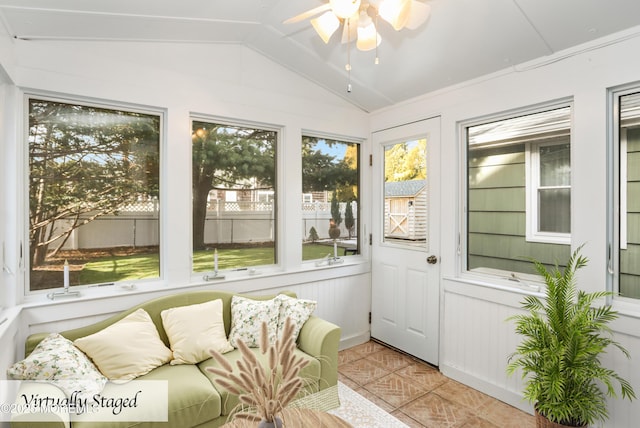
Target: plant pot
543 422
276 423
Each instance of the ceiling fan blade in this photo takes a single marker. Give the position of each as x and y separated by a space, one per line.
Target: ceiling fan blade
419 14
308 14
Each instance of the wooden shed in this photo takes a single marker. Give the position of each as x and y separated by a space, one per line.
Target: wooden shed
405 210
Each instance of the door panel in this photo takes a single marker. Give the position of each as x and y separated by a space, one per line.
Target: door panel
405 287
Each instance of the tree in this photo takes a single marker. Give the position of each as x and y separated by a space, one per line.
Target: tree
406 161
322 171
313 234
228 157
85 162
349 221
335 209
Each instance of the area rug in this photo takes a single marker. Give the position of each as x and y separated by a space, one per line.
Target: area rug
362 413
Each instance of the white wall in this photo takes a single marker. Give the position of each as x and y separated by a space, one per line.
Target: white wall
475 339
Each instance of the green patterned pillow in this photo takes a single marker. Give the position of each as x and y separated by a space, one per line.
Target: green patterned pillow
59 362
299 310
247 316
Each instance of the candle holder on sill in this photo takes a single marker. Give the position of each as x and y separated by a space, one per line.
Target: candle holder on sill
213 277
334 261
63 294
66 292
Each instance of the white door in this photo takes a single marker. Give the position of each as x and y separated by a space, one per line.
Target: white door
406 238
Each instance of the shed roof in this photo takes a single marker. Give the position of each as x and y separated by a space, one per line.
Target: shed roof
403 188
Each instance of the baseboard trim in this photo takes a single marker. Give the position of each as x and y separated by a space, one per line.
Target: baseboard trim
504 395
355 339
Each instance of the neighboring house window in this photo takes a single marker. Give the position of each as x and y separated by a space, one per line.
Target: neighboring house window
624 262
330 178
518 191
94 190
233 185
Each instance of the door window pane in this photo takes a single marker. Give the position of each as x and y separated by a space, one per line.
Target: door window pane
330 201
405 193
94 192
234 214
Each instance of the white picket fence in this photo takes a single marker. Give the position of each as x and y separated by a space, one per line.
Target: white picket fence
227 222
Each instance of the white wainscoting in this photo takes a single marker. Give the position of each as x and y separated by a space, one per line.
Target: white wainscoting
344 301
476 341
9 339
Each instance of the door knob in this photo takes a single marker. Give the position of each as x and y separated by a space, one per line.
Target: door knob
432 260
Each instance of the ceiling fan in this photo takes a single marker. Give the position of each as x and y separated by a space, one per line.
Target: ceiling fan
360 19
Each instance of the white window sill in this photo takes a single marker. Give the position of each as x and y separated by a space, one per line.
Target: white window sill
234 280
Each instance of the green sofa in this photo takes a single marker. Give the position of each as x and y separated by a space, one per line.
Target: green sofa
194 400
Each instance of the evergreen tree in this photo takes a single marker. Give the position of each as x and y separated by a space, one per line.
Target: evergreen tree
313 234
335 209
349 221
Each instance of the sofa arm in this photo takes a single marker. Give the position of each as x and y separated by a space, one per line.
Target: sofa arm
46 419
320 339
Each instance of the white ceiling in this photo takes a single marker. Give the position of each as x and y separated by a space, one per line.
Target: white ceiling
463 39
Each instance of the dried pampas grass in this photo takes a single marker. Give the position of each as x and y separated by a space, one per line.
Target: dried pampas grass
268 389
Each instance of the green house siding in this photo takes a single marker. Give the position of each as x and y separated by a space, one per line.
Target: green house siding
497 217
630 258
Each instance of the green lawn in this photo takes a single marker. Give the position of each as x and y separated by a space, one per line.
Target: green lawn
140 266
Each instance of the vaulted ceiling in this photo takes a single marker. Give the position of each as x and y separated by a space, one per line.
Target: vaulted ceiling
462 40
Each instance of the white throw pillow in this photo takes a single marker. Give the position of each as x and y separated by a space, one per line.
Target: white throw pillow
57 361
247 316
299 310
126 349
193 330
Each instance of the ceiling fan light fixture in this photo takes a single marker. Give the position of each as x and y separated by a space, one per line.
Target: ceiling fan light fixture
325 25
368 37
395 12
344 8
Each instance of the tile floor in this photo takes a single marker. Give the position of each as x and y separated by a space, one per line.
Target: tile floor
418 394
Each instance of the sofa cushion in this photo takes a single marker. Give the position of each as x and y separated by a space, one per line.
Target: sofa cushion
311 372
299 310
56 360
247 316
192 400
193 330
126 349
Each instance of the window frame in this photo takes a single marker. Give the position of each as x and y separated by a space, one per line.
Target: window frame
617 196
484 276
360 244
199 276
23 261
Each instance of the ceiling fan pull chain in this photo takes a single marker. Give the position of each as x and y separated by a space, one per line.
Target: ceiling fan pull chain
348 66
375 25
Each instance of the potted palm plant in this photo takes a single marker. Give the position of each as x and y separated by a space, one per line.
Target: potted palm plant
564 337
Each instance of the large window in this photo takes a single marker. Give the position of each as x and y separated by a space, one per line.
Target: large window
330 195
94 193
519 191
234 205
625 262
